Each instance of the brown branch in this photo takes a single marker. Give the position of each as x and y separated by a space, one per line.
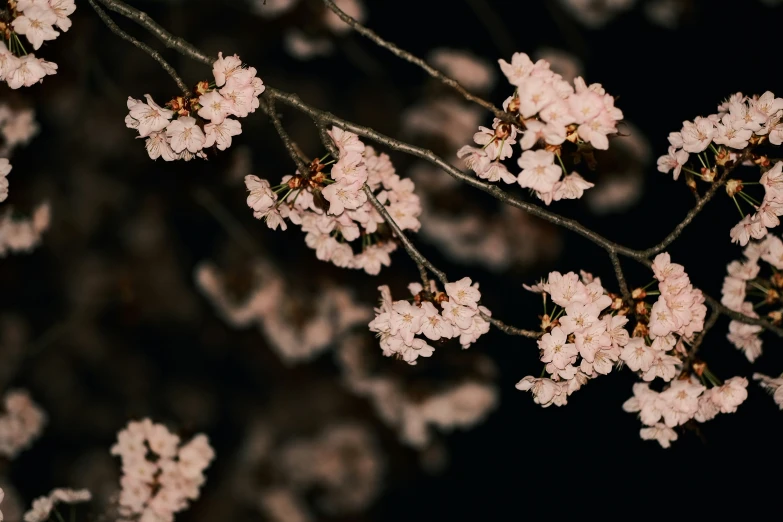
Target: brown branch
510 330
141 45
322 117
701 202
169 40
618 272
290 146
408 57
421 262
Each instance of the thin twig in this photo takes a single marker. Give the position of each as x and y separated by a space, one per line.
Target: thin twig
700 204
408 57
290 146
141 45
169 40
510 330
422 262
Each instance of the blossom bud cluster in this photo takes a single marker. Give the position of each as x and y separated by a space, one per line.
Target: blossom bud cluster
333 208
36 20
741 123
584 339
42 507
432 314
683 400
550 112
160 475
187 126
22 423
745 282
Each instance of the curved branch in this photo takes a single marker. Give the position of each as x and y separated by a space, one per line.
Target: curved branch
408 57
421 261
510 330
700 204
641 256
169 40
141 45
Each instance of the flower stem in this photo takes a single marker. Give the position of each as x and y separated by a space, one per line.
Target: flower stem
738 206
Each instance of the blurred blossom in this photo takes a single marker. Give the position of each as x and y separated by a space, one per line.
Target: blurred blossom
298 326
621 176
20 424
304 47
596 13
449 119
562 62
474 73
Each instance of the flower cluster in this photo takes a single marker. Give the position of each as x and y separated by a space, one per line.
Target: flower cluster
22 423
36 20
160 476
17 127
333 208
746 290
189 125
773 385
42 506
683 400
723 138
584 337
432 314
551 113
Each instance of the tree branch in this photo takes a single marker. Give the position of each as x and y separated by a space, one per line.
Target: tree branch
322 117
169 40
408 57
290 146
700 204
618 272
421 261
141 45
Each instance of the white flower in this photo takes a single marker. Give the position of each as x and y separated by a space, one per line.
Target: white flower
150 116
224 68
185 134
63 9
28 71
543 390
660 432
463 292
36 24
539 171
261 197
220 133
556 349
214 107
434 326
344 195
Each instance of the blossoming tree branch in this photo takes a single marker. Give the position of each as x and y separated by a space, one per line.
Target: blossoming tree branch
355 210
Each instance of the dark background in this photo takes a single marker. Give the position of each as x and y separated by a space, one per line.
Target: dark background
118 331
